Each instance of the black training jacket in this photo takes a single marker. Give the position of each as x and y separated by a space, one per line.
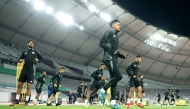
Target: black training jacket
133 68
110 43
56 79
95 74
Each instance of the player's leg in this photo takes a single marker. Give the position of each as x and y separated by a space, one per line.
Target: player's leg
79 95
89 94
131 84
30 80
139 88
114 74
38 91
56 96
22 80
50 97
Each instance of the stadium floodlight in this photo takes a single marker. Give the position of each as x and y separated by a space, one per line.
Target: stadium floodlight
97 11
92 8
81 27
49 10
39 5
84 1
29 0
64 18
105 16
68 20
59 16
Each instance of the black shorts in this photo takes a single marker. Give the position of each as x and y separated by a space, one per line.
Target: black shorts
126 96
79 95
158 99
167 98
84 96
26 76
55 90
172 99
177 97
38 90
134 82
95 85
142 90
116 97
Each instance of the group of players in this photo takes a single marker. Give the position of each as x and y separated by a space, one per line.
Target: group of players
110 44
174 96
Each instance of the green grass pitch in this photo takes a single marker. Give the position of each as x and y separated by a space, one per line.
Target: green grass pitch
91 107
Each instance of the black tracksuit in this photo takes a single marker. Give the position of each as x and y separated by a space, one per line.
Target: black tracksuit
56 79
132 70
167 95
95 81
40 82
110 43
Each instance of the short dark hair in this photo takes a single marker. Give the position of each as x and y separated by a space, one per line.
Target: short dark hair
113 21
138 56
62 68
31 41
102 64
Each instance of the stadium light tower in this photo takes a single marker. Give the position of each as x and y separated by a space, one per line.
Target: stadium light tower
39 5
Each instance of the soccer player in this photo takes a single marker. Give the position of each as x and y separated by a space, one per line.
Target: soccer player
40 82
50 92
132 71
172 97
95 82
110 44
74 98
30 57
159 97
176 91
167 96
70 98
79 93
56 79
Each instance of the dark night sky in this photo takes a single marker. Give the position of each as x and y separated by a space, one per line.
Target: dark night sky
169 15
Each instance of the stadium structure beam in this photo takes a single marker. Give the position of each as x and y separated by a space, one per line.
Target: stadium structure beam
130 34
179 69
21 25
32 37
133 47
173 57
4 5
187 79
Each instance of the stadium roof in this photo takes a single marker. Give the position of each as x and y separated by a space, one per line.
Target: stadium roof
165 55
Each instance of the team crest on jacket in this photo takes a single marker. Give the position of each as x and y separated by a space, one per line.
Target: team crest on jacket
25 53
114 36
33 52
